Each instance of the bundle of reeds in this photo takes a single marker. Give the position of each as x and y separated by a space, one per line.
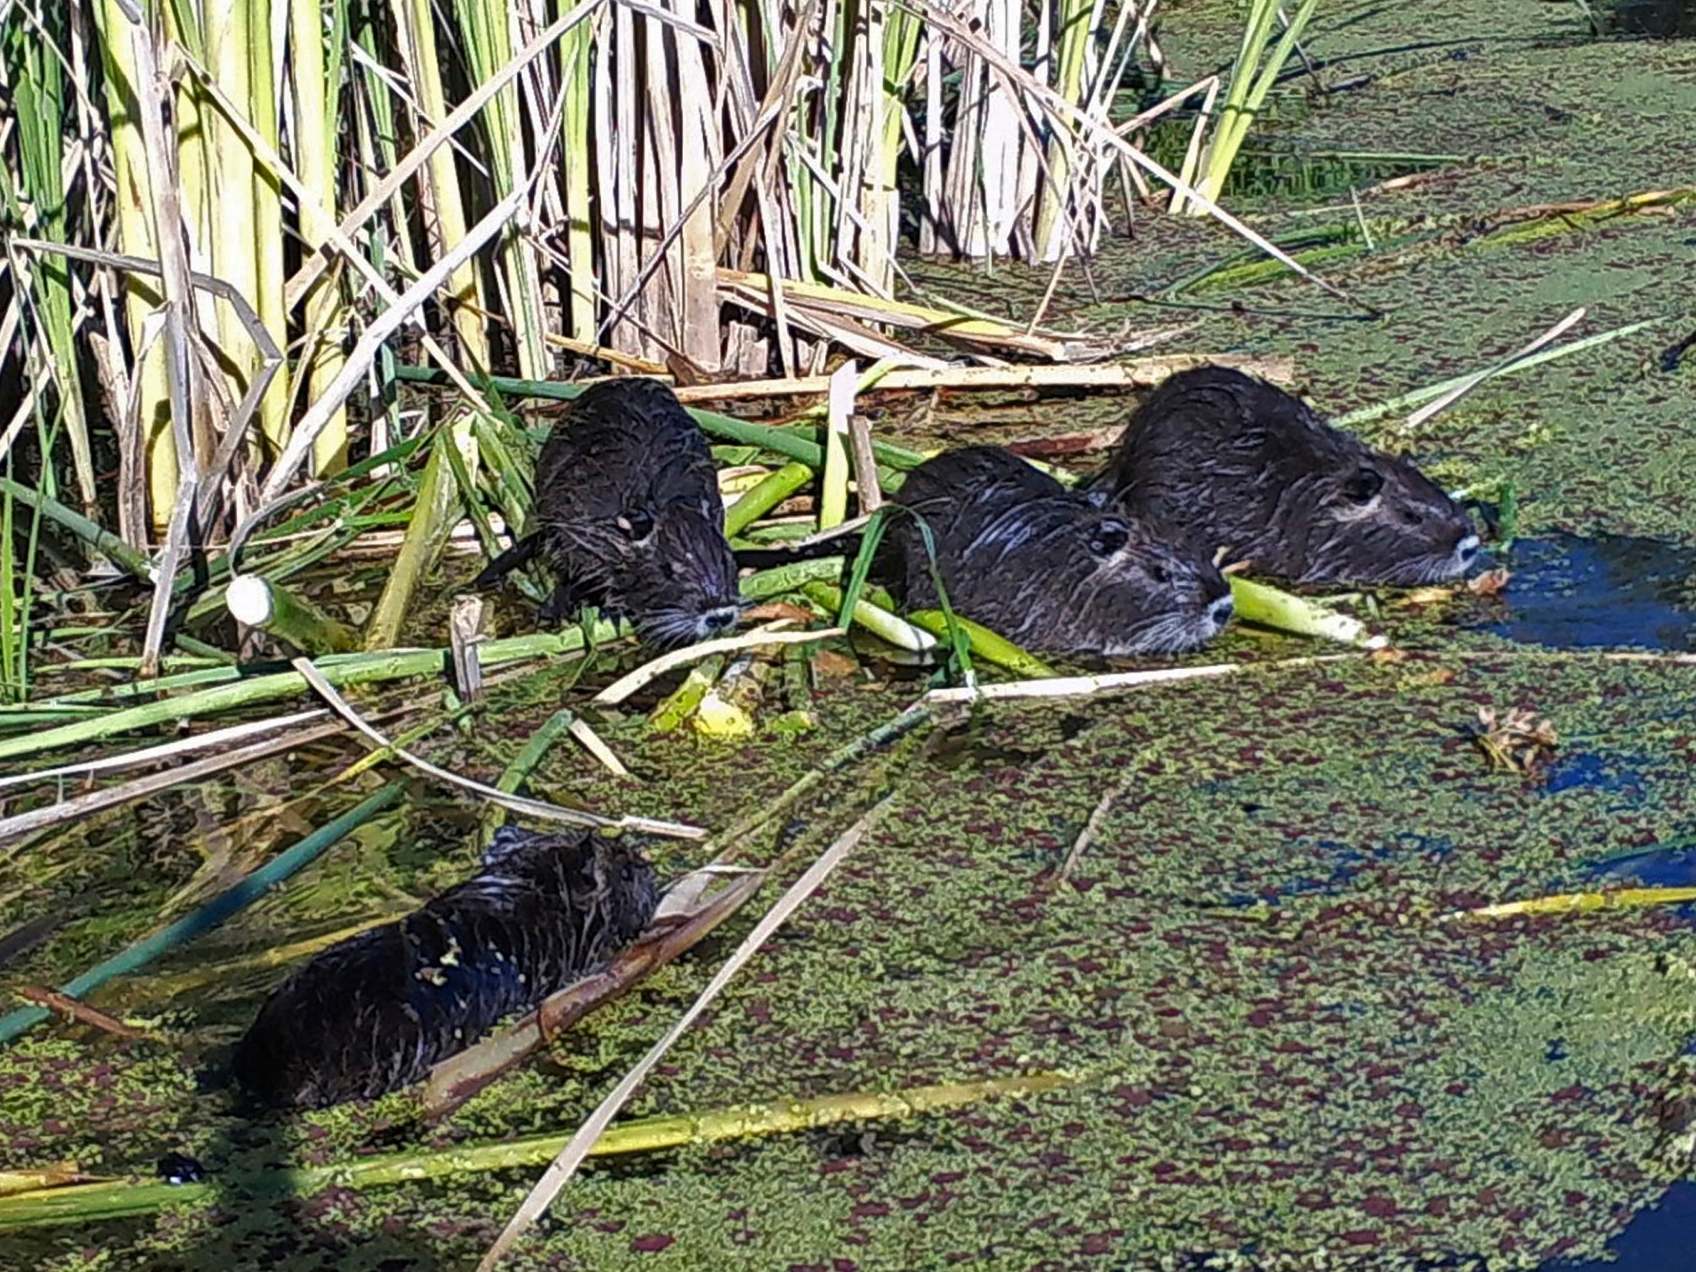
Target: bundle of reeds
227 214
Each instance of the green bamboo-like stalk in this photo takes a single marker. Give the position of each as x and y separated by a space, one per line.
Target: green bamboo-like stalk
431 523
316 83
262 604
988 645
228 29
1074 46
438 496
100 540
487 41
762 498
152 455
1251 81
119 1198
790 578
14 615
902 32
576 66
681 703
518 771
267 228
879 622
1432 392
414 22
233 690
1268 606
214 912
791 444
38 88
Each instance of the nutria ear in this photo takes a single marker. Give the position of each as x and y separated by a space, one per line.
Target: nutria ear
1108 537
636 524
1364 486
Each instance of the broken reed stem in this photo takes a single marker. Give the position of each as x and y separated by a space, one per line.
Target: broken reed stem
258 603
120 1198
762 498
1579 903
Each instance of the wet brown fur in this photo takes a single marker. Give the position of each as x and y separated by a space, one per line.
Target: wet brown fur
1250 468
1045 568
629 516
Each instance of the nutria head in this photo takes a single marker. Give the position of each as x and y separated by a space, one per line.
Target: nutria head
1048 570
1247 467
670 572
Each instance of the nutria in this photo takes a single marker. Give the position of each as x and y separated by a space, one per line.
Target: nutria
629 517
376 1011
1247 467
1043 566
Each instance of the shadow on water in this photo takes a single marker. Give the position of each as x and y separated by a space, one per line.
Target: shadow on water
1570 592
1658 1240
1662 19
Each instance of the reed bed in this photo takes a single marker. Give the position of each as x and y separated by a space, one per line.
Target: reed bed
227 216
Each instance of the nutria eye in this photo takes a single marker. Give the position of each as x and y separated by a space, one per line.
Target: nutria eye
1108 538
636 525
1364 486
1413 516
1160 574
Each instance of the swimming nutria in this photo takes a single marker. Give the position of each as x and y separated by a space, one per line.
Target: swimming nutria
1250 468
629 516
1043 566
376 1011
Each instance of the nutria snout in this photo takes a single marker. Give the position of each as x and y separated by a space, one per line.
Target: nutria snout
373 1013
1046 568
1252 469
629 517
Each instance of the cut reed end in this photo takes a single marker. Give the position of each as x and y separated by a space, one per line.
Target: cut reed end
248 598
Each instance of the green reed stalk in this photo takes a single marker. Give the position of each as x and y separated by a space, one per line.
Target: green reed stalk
1251 81
315 65
761 499
149 457
237 690
1071 65
221 907
38 88
119 1198
486 39
576 63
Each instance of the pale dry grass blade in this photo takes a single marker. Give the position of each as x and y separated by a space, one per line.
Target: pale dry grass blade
1466 386
571 1157
513 803
770 634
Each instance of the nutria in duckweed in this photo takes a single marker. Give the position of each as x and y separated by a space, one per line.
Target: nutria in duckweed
1252 469
373 1013
1043 566
629 517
